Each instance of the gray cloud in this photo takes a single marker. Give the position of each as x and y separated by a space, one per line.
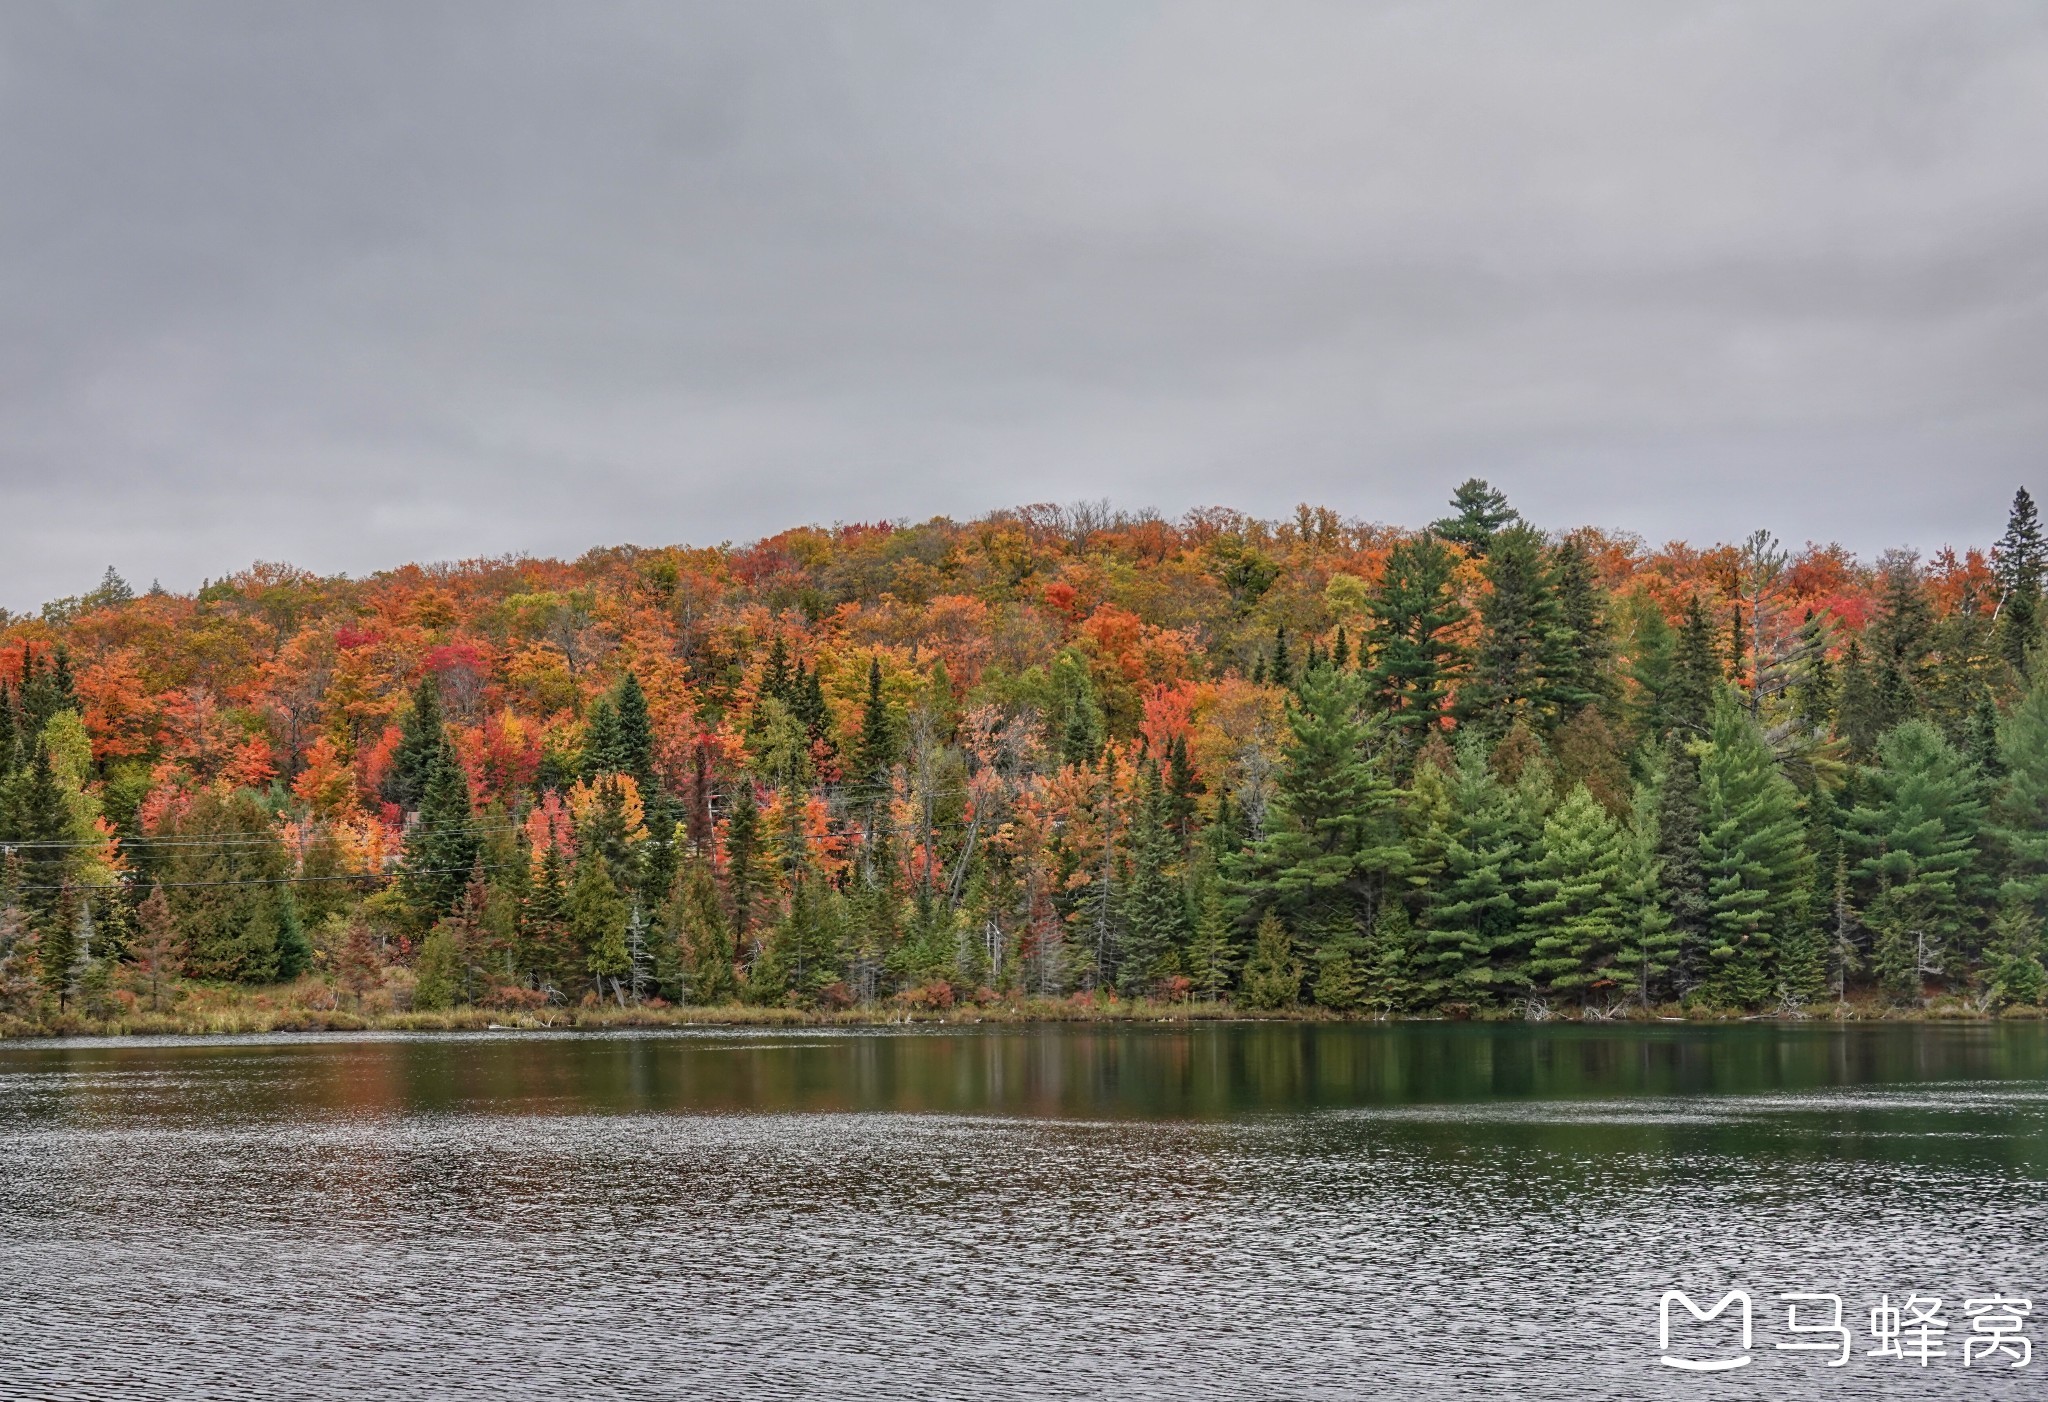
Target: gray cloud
350 285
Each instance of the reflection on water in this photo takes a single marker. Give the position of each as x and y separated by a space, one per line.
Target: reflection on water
1223 1211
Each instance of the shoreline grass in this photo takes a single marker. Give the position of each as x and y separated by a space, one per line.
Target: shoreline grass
312 1006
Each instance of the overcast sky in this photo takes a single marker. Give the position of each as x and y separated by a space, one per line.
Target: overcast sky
355 284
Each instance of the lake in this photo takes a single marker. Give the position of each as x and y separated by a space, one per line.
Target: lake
1238 1210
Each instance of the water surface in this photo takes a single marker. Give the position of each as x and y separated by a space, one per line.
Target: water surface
1240 1210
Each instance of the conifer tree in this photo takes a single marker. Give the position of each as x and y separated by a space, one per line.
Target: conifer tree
1281 672
1579 664
1916 836
1077 719
1859 715
701 928
1155 904
1181 789
1648 945
1333 841
603 742
1519 644
1814 686
1652 667
874 755
550 944
634 754
231 893
2020 560
1213 955
422 744
1575 894
1469 949
441 846
1754 857
1410 649
1697 676
1272 977
2019 812
157 953
38 826
744 877
1478 514
597 924
1901 643
2013 966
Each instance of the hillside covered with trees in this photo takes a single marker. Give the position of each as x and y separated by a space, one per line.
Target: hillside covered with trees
1476 769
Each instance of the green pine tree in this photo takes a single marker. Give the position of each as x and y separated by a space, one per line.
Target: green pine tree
1753 854
442 844
1478 514
1916 836
1521 625
598 915
1411 650
1575 893
1155 908
1334 840
2019 811
1272 977
2020 561
422 744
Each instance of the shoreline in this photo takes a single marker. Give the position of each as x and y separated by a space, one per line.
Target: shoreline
252 1019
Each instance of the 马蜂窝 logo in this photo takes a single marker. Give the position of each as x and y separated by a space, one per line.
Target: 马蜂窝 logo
1720 1307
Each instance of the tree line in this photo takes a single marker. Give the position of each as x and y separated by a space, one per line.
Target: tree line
1473 769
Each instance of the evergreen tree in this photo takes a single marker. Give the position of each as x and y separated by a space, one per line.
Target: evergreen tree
230 893
874 755
1581 654
1814 686
1334 837
1077 720
1697 677
1575 890
2020 560
1471 945
1181 789
634 753
699 922
744 878
1213 956
1648 943
1410 649
1272 978
549 943
604 746
158 952
1155 904
1478 514
1754 856
422 744
597 925
437 973
1859 715
1901 643
1680 868
1281 673
441 846
2013 967
37 824
1916 836
1521 635
2019 813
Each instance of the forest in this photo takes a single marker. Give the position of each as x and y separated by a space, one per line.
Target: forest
1476 769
